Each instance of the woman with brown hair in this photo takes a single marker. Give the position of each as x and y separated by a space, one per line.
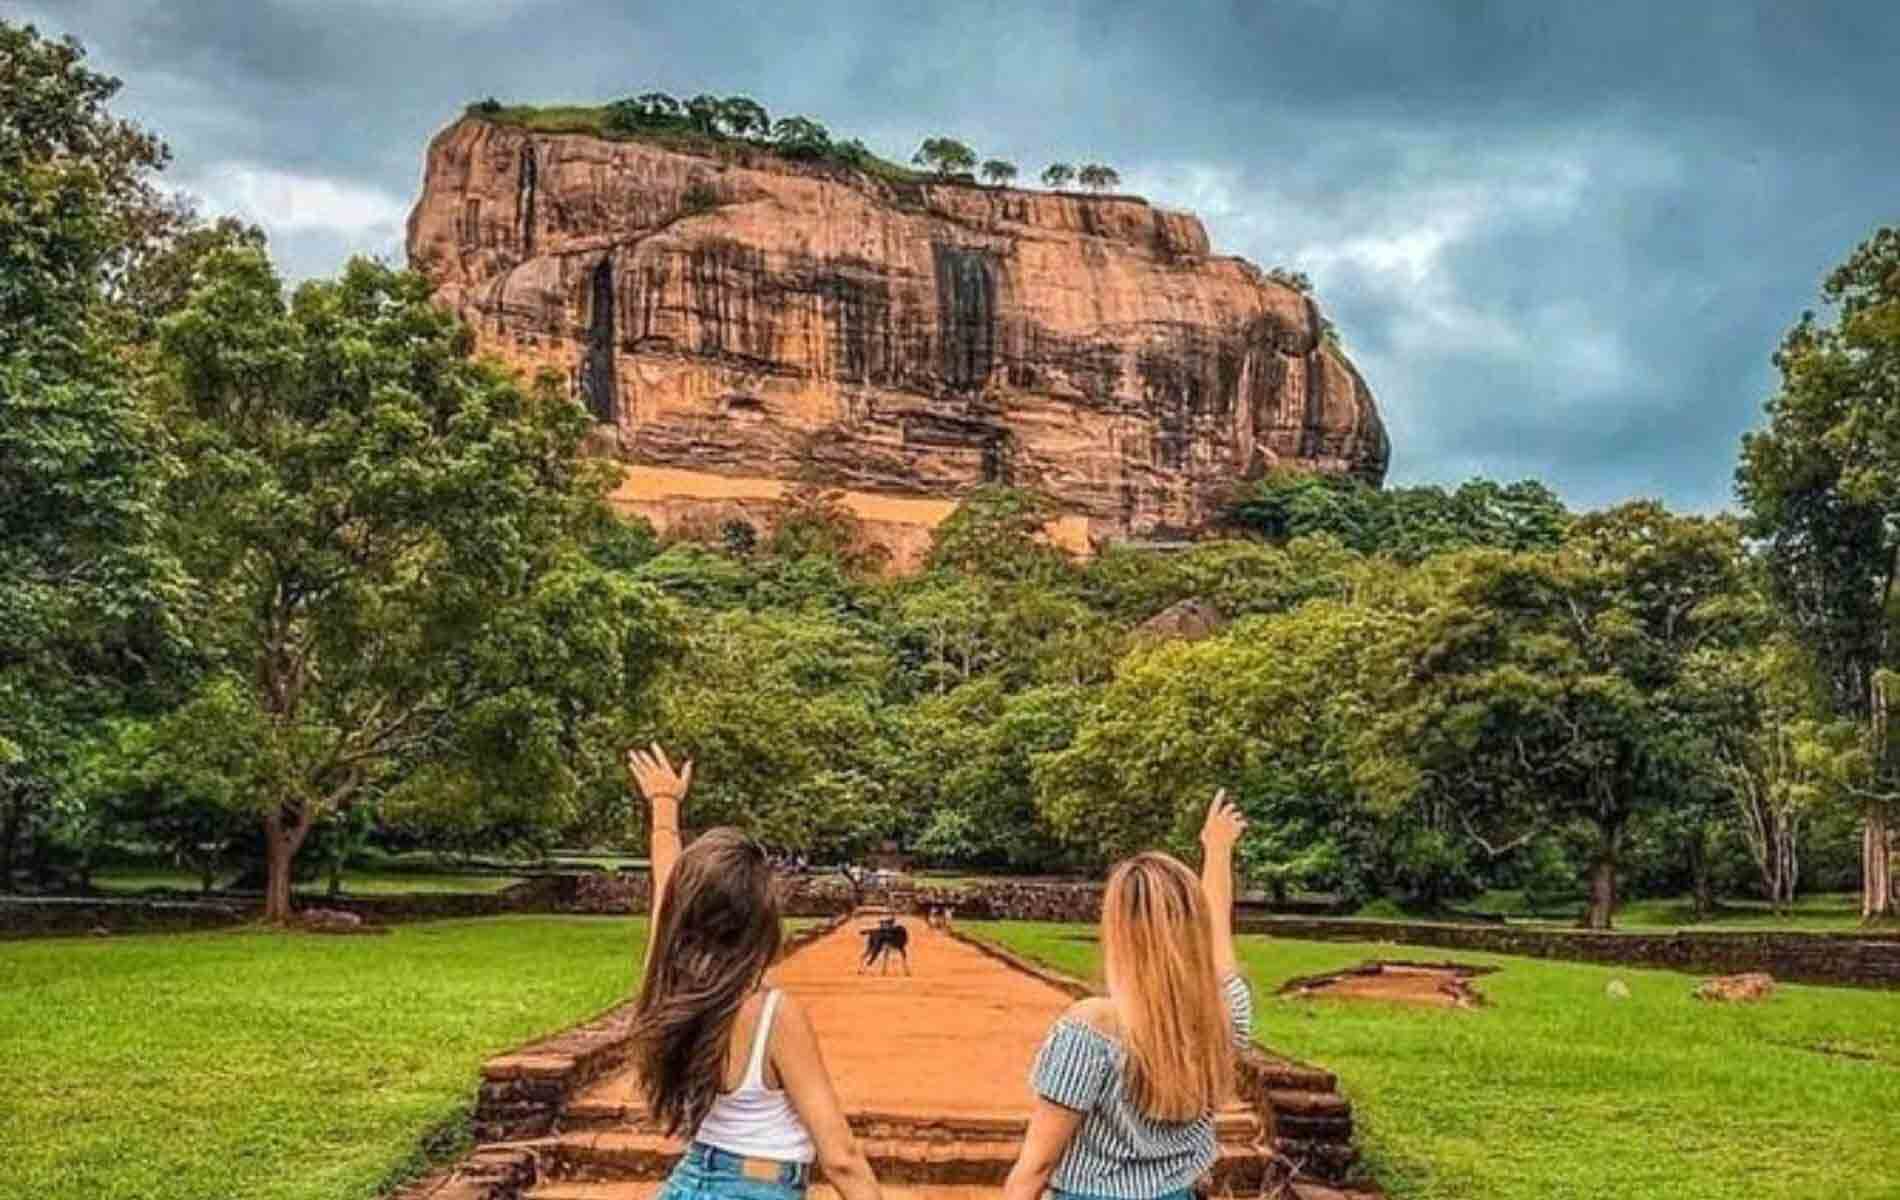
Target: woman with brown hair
1126 1085
722 1055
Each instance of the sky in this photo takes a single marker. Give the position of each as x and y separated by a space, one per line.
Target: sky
1560 239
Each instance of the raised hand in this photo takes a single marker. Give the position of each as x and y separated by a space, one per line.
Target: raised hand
1219 832
663 788
1223 826
657 781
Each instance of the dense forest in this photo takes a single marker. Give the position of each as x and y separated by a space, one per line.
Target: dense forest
286 572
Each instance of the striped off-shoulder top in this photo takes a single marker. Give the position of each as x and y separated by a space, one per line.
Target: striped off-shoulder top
1117 1152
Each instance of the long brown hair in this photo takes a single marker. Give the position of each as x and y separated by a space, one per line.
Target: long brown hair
716 933
1158 946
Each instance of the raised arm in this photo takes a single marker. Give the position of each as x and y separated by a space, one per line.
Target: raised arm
663 788
1219 833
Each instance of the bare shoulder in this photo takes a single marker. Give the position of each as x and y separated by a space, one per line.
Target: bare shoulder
1098 1013
792 1015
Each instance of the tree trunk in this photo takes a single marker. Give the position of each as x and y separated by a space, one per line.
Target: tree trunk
9 835
277 856
1602 887
280 852
1876 882
1700 873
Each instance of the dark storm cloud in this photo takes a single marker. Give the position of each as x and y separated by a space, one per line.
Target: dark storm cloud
1560 239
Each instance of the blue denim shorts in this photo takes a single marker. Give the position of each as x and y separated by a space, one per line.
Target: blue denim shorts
1058 1194
709 1173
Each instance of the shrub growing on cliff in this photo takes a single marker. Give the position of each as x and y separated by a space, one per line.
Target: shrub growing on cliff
1299 281
946 157
1098 178
1058 175
742 116
800 137
998 172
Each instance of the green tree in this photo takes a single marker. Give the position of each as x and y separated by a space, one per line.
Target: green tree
1272 710
382 536
1821 485
742 116
996 532
1058 176
967 771
998 172
1409 524
1098 178
658 105
800 137
1782 758
945 156
87 593
782 715
1548 689
703 112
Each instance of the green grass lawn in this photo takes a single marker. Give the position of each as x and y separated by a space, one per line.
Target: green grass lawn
271 1066
1823 912
358 883
1557 1091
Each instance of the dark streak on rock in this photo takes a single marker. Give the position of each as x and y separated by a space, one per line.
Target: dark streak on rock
966 314
597 376
525 186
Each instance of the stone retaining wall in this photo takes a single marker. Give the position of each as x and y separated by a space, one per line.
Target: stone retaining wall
1860 960
62 916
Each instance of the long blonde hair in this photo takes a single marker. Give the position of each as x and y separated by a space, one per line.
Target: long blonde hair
1158 943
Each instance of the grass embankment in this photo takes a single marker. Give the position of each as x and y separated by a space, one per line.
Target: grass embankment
1557 1091
272 1066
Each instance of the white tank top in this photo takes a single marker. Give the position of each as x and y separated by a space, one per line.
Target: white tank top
752 1119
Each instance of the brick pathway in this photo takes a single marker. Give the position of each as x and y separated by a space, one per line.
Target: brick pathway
932 1068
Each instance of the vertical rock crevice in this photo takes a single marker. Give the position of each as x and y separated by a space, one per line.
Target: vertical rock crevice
597 375
526 183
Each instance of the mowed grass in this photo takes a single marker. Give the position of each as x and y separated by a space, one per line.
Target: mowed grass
1555 1090
1825 912
272 1066
133 880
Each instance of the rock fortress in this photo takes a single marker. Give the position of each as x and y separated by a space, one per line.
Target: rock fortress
738 323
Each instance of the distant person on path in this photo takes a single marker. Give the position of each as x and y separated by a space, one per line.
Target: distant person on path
721 1054
1126 1085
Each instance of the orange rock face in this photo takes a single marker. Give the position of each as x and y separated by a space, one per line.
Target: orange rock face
745 321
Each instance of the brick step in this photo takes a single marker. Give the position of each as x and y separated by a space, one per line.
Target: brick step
615 1104
1301 1102
951 1160
648 1189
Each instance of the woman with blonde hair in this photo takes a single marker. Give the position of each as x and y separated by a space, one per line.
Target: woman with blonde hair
1126 1085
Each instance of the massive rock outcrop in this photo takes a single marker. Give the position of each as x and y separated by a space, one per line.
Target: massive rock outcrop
741 321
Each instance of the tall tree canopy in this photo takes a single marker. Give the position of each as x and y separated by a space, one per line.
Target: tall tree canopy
1821 485
1547 689
382 535
86 589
